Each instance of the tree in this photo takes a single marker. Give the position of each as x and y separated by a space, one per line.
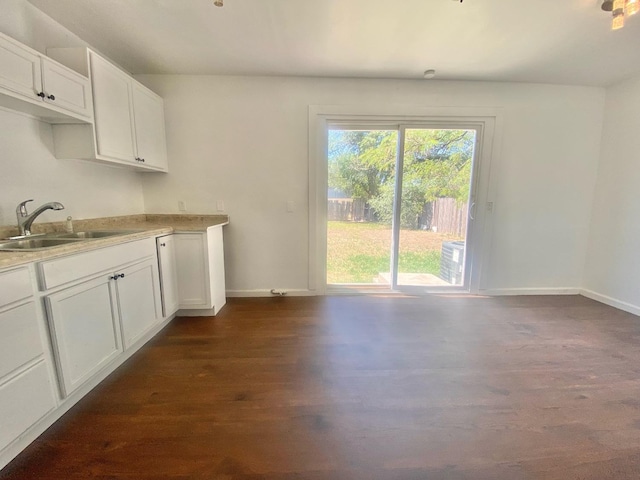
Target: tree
360 162
436 163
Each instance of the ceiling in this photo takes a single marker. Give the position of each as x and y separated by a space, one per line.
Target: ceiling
547 41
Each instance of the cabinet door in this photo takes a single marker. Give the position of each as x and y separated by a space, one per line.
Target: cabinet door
65 88
138 299
85 328
168 274
112 111
24 400
19 69
192 265
148 113
216 267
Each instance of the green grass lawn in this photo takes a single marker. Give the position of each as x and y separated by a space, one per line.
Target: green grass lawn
361 268
358 252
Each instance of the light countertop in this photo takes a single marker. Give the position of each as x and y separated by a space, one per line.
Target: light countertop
141 226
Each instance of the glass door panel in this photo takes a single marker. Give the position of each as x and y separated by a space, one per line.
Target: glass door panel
437 166
361 182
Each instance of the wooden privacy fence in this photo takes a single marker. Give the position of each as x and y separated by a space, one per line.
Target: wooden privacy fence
444 215
349 210
449 217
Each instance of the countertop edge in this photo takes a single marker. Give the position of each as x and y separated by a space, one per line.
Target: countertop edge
16 259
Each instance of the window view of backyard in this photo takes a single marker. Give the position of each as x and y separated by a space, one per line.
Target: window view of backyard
436 177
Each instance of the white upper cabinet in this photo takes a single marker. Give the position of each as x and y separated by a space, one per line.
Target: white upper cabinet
148 111
35 84
111 102
20 70
65 88
129 118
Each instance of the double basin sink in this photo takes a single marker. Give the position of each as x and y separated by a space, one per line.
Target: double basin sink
49 240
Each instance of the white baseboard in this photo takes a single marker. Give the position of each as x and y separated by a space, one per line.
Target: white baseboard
267 293
612 302
530 291
211 312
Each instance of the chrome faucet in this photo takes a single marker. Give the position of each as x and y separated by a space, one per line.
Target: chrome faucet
25 220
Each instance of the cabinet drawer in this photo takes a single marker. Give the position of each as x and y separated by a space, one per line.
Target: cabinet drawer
75 267
19 337
15 285
24 400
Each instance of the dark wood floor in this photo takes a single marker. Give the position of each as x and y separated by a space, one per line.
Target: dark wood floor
365 388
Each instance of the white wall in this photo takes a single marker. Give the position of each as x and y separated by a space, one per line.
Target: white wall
613 260
243 140
28 168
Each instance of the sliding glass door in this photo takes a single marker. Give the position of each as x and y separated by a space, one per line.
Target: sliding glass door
400 201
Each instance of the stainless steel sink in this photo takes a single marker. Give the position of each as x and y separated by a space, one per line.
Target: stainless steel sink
40 243
50 240
94 234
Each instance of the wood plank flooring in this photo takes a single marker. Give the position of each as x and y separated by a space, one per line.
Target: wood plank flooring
387 388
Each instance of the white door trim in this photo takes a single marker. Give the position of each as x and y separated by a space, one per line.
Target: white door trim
488 119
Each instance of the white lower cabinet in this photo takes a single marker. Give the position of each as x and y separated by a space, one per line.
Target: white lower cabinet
200 267
138 300
20 339
101 306
25 399
27 382
86 330
168 274
94 320
193 278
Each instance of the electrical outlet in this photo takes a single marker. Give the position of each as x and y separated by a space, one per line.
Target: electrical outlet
291 206
220 205
182 205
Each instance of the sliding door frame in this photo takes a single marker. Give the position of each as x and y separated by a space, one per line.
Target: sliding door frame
487 122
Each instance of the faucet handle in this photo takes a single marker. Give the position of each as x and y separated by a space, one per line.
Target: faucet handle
21 210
